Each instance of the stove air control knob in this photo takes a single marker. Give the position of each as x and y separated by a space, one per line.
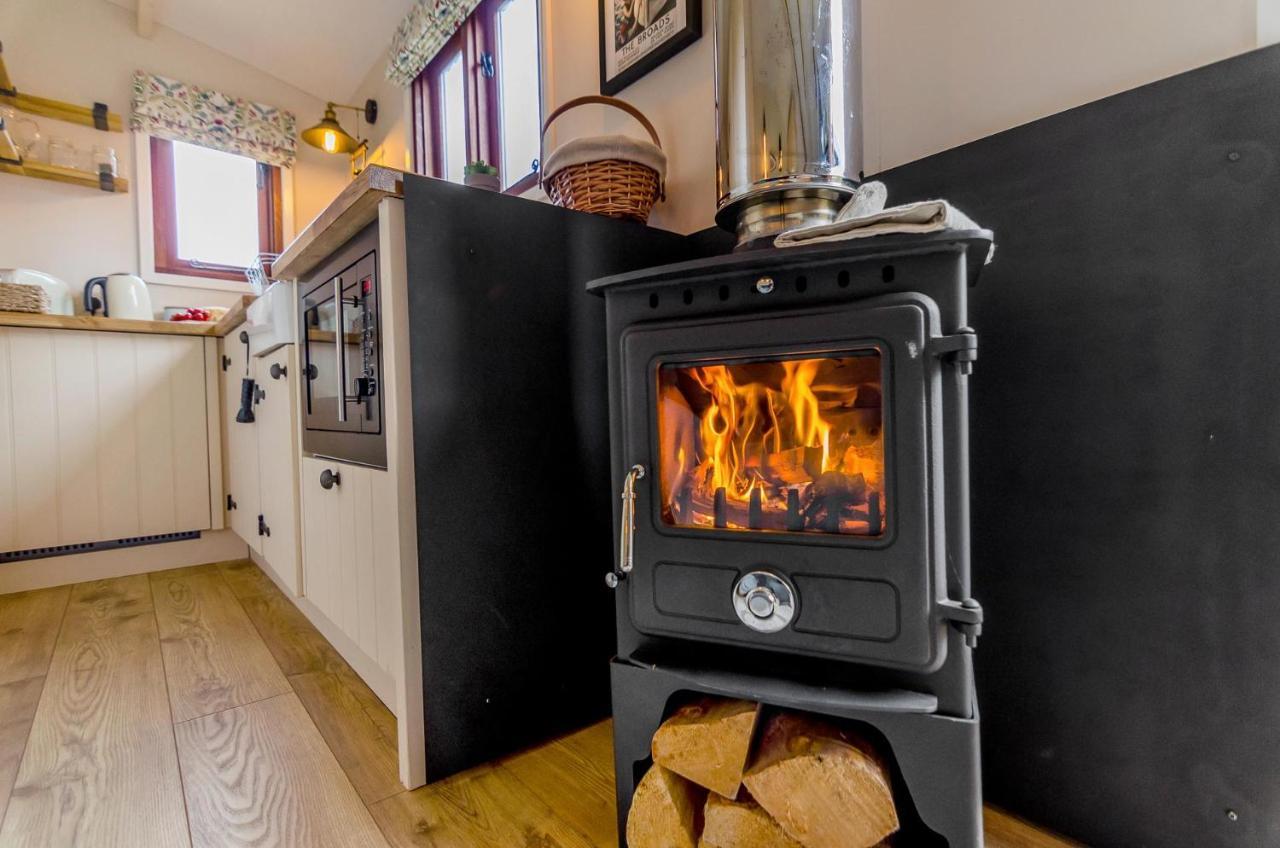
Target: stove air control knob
764 601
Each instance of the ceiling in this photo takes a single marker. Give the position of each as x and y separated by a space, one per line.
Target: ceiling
324 47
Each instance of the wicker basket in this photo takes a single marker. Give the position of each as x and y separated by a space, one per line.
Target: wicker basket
617 187
16 297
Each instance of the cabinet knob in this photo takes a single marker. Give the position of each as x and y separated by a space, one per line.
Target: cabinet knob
329 479
278 371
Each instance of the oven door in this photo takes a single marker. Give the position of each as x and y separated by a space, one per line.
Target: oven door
793 462
341 349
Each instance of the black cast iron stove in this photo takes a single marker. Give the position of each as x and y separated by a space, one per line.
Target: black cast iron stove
789 434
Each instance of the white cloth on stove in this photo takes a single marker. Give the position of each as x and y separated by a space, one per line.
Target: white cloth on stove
860 218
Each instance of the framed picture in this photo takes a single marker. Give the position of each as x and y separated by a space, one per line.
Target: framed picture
637 36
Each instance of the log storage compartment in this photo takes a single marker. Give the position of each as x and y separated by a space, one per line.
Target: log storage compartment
789 437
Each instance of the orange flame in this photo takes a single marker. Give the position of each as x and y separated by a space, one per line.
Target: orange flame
760 430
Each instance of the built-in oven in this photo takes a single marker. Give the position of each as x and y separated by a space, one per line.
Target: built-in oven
341 348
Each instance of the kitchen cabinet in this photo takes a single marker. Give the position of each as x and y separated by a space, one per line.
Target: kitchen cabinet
103 436
351 560
262 457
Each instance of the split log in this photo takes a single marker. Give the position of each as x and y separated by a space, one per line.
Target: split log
826 788
741 824
665 811
708 741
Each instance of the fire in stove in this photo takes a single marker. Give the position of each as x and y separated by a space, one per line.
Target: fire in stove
784 445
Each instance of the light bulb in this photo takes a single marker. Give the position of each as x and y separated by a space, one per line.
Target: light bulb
330 141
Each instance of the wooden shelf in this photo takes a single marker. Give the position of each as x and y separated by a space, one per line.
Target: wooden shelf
73 176
57 109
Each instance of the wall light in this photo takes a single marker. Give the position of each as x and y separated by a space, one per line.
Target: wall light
329 136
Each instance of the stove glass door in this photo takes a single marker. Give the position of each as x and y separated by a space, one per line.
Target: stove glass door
784 445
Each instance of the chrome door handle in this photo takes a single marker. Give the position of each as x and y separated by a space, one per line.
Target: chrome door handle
627 538
340 346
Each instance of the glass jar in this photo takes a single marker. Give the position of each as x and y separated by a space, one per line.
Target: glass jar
104 160
62 153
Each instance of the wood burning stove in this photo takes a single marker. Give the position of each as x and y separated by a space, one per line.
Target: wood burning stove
789 434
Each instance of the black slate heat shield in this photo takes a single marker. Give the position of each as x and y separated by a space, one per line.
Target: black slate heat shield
888 600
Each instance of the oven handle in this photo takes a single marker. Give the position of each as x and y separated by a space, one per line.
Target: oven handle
340 345
627 541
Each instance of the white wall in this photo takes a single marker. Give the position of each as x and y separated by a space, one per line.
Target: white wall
87 50
937 73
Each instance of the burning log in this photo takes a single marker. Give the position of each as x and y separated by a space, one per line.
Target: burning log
793 467
664 811
708 742
825 789
741 824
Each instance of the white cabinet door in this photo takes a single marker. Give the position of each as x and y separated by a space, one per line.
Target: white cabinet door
321 537
277 464
103 436
239 445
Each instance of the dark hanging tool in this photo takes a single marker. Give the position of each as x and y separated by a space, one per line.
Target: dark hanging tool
247 387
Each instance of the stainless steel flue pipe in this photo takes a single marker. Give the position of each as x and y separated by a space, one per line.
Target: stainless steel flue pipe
789 113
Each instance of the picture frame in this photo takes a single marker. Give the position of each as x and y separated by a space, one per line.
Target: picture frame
637 36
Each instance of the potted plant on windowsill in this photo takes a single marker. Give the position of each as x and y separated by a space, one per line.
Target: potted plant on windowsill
480 174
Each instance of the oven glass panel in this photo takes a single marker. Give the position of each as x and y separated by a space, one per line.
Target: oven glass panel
784 445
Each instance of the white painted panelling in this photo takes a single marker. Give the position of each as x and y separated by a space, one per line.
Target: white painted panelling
154 357
240 444
33 406
386 576
118 477
103 436
190 434
278 466
8 471
76 402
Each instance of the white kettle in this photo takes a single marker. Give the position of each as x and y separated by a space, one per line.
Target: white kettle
123 296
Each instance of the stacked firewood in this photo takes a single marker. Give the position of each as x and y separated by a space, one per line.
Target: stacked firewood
804 783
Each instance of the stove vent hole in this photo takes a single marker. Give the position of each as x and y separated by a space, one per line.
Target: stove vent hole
688 296
887 273
802 283
724 292
653 301
842 279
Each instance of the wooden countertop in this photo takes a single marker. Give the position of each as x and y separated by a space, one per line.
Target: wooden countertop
233 318
349 213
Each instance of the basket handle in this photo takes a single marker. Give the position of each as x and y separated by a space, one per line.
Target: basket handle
583 101
607 101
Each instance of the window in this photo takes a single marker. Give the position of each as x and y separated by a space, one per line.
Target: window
212 212
480 97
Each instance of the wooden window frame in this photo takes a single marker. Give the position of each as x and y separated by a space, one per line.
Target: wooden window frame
165 218
477 37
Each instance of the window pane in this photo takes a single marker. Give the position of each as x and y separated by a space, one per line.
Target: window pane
518 89
453 130
216 202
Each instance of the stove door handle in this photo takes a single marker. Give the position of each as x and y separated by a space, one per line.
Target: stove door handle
627 536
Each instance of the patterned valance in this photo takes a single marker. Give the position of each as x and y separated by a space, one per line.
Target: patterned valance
179 111
429 24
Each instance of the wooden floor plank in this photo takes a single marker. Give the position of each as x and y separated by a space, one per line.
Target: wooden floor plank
488 806
214 658
295 643
1006 831
18 701
574 777
29 623
358 727
337 703
260 775
100 767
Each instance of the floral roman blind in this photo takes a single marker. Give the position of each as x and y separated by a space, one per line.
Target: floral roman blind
429 24
179 111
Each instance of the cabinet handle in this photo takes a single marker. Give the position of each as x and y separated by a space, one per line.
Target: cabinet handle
259 395
329 479
278 371
340 345
226 363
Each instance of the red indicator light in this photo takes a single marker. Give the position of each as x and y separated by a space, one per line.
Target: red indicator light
366 285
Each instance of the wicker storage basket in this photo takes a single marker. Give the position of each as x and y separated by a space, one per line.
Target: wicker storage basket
616 176
16 297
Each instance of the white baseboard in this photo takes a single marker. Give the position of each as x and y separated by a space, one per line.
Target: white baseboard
212 546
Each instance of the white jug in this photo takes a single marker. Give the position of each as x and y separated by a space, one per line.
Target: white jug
123 296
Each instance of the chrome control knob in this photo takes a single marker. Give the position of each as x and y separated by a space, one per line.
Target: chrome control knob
764 601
